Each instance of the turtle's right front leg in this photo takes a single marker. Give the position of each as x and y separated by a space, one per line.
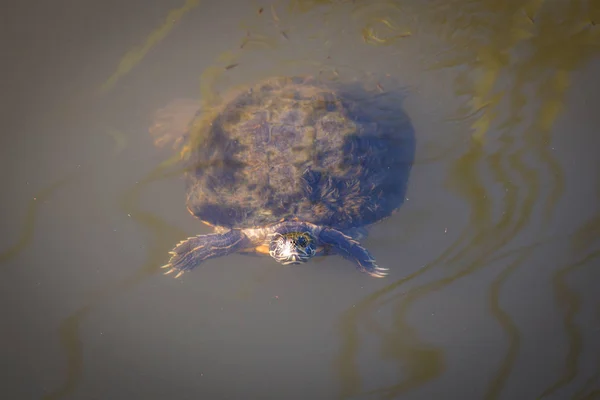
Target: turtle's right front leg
352 249
189 253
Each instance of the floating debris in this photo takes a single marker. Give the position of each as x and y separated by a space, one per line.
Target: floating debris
261 40
274 14
369 36
230 66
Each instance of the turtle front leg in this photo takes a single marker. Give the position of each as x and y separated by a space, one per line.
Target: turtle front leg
352 249
357 234
189 253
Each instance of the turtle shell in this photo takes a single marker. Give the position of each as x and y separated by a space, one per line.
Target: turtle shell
289 148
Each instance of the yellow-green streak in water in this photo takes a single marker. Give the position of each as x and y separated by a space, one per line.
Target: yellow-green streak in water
511 198
581 241
133 57
31 215
560 47
69 340
587 234
499 380
569 299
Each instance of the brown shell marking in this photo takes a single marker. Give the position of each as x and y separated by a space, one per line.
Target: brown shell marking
284 149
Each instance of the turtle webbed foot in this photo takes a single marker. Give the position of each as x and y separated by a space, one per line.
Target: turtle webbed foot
352 249
189 253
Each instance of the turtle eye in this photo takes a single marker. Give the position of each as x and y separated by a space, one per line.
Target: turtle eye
301 241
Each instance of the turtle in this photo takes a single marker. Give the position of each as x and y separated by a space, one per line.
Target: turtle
290 167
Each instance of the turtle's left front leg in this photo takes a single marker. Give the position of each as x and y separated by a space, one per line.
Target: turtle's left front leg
352 249
189 253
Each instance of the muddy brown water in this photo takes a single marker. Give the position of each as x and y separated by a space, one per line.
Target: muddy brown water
493 257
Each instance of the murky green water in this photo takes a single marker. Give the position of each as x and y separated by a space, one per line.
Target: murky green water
493 257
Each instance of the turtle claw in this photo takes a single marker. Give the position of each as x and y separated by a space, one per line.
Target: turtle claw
172 270
380 272
375 271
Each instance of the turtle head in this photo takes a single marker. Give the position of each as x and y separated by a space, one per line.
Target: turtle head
292 246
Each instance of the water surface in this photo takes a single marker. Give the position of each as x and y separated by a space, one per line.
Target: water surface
493 256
